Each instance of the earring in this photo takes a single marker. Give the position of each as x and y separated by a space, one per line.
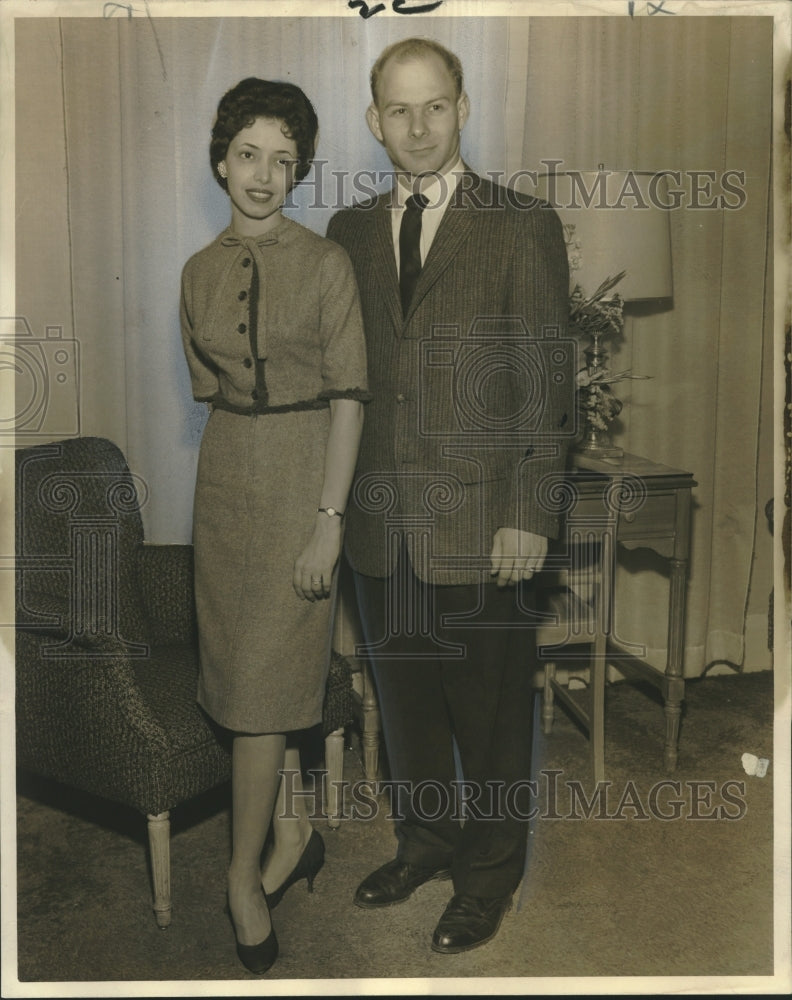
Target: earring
221 169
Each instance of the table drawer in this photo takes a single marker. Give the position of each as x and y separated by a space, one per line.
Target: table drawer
655 516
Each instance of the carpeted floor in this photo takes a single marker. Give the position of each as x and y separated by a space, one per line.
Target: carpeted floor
624 892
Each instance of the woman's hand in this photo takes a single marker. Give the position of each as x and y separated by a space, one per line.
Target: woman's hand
313 568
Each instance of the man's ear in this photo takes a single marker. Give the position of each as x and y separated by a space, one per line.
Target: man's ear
373 122
463 110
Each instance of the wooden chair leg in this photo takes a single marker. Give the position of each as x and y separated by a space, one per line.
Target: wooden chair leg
548 708
371 726
159 849
334 764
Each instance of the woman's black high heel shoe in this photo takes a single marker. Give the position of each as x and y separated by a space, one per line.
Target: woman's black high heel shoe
311 860
257 958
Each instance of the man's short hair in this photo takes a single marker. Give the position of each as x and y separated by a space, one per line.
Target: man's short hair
411 48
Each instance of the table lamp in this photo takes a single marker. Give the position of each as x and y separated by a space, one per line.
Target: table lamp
619 246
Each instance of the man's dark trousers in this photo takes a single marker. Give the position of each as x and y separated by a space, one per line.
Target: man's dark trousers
430 698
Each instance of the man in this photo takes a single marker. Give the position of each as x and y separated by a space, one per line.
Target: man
464 292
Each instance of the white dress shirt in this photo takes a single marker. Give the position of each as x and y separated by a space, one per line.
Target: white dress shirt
438 191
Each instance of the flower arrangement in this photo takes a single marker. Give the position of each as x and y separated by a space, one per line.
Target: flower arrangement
596 316
597 403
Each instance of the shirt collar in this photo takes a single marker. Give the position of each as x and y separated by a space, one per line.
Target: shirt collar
438 190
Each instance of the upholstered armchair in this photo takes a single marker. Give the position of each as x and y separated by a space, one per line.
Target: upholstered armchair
106 650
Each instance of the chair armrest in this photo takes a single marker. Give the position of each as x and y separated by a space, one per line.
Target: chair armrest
166 576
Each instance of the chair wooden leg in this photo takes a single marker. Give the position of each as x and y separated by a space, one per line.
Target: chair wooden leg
159 848
548 708
334 764
371 726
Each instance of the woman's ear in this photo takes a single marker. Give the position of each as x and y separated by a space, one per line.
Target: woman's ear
222 170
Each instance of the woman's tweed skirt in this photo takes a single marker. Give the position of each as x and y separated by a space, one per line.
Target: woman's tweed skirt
264 652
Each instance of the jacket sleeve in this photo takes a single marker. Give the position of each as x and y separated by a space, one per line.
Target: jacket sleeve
344 373
540 293
203 373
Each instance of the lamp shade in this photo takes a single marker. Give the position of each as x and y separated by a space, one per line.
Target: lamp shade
614 221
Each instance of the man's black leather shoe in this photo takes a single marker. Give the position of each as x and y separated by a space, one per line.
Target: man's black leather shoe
395 882
469 921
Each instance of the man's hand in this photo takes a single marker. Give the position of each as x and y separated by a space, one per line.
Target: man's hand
516 555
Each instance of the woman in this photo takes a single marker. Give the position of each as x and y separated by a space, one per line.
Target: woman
273 337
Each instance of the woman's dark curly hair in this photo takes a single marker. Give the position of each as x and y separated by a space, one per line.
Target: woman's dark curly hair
253 98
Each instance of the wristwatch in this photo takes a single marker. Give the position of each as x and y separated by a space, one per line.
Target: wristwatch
330 511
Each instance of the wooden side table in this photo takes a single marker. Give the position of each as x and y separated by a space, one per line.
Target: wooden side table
635 503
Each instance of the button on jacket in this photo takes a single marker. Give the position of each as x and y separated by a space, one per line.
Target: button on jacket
308 344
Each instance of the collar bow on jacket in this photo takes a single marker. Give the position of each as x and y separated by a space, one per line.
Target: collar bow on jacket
231 240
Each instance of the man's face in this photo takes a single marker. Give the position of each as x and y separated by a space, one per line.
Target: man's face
418 116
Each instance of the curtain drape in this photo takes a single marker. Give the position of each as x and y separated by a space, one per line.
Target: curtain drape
118 194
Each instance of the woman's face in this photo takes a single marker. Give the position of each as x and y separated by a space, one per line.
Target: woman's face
259 167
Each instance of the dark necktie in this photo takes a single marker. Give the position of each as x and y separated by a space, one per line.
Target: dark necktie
410 248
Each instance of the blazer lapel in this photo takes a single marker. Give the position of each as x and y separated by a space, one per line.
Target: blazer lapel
384 261
454 230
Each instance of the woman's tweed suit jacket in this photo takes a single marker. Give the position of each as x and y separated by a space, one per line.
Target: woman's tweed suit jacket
307 319
473 391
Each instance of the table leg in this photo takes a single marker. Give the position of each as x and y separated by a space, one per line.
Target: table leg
597 720
675 683
603 625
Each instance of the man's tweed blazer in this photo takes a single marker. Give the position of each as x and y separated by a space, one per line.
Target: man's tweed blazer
473 391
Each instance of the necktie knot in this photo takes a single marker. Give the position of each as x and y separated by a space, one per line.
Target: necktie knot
416 202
